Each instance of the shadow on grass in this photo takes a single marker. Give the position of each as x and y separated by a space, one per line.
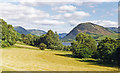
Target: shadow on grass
26 47
98 62
89 61
65 55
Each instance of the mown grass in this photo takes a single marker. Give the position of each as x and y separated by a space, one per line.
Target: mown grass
28 58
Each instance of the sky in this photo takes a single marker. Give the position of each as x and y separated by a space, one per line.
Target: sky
58 16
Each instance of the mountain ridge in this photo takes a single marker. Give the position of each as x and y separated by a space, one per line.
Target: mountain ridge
89 28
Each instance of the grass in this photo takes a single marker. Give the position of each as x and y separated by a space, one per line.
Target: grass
28 58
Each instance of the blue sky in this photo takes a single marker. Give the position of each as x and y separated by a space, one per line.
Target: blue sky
59 16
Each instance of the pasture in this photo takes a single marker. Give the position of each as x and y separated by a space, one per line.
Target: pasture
28 58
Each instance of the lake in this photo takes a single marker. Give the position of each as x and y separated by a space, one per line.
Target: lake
66 43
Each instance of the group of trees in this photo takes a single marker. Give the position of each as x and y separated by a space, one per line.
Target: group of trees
9 35
107 50
49 40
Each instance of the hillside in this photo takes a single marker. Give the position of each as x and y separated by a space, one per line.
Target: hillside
62 35
89 28
21 30
115 29
36 32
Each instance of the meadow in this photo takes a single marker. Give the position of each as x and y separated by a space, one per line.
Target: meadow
21 57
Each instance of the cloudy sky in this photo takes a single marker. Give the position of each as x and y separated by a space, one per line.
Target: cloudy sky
59 16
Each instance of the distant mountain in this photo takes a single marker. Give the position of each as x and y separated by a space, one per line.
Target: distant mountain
36 32
88 28
62 35
21 30
115 29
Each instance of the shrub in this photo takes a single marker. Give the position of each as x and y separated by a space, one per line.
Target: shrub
43 46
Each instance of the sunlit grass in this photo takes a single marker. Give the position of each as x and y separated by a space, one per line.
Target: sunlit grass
28 58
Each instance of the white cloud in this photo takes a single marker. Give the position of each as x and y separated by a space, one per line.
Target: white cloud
74 22
48 22
23 14
77 15
29 17
94 11
67 0
64 8
73 16
106 23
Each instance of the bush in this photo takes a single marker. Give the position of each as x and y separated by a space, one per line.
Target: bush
43 46
5 44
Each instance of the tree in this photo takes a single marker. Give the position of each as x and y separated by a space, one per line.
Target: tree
28 39
106 49
87 40
22 36
42 46
52 41
84 46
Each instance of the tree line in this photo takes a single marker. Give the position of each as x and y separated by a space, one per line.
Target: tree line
107 50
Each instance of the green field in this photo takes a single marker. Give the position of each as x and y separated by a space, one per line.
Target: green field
28 58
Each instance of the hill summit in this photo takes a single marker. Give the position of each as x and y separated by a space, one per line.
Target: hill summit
89 28
21 30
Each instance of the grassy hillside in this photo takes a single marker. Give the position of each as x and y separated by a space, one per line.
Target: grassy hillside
36 32
115 29
24 58
96 31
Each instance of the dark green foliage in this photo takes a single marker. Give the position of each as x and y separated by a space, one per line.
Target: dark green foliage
42 46
87 40
84 46
28 39
5 44
9 35
107 49
81 50
67 48
51 39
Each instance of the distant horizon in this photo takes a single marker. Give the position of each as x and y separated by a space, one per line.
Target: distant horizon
54 31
